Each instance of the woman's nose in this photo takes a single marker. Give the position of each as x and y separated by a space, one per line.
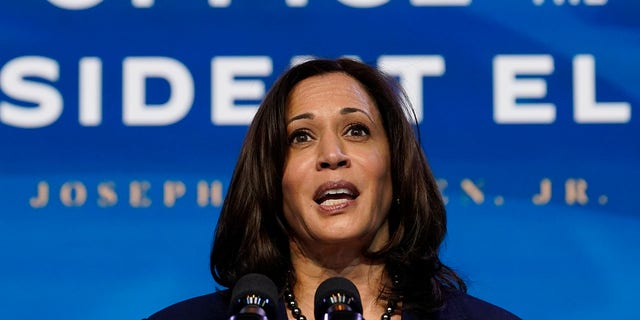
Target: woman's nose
332 154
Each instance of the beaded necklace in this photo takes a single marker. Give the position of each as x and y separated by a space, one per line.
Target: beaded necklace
292 305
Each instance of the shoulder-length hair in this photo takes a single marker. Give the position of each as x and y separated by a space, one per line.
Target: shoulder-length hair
252 235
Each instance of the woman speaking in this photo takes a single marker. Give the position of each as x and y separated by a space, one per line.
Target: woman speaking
332 182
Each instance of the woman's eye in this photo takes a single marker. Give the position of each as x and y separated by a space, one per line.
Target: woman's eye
299 136
357 130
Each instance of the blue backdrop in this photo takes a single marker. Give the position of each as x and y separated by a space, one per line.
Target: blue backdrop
120 123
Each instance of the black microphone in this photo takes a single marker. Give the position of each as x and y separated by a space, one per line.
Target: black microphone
337 299
254 297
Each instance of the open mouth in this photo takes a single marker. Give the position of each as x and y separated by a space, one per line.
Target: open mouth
335 193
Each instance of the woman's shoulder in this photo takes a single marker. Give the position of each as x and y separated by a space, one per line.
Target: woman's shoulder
460 305
211 306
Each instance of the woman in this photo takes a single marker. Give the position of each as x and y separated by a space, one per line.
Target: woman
331 181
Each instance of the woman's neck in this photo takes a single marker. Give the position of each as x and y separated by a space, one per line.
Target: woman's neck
312 269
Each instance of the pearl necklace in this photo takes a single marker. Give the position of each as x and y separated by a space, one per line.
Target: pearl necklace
292 305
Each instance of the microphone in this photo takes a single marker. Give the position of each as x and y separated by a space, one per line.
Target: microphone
337 298
254 297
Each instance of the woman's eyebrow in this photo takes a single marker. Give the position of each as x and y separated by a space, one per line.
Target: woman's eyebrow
348 110
301 116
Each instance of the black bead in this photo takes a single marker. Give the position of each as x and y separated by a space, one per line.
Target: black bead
296 312
396 280
385 317
301 317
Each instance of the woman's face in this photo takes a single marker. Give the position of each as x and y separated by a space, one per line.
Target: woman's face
337 177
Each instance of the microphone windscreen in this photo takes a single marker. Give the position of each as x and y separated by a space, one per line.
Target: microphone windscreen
254 289
336 290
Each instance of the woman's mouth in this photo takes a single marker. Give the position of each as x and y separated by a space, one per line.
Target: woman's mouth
332 194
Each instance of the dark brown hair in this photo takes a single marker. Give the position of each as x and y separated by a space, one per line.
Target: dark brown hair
251 235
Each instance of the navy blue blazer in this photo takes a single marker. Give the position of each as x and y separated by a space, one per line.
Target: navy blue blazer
214 306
